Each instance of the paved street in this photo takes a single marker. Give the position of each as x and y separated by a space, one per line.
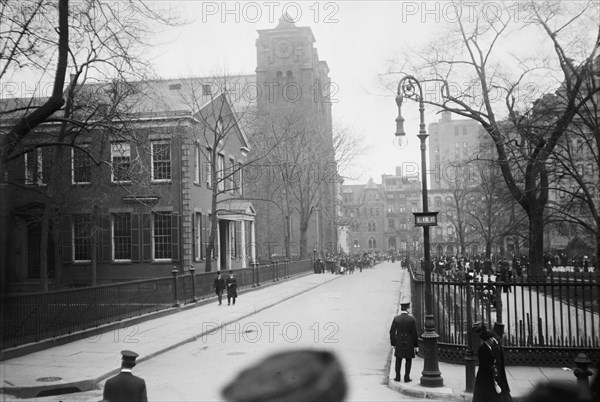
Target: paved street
348 315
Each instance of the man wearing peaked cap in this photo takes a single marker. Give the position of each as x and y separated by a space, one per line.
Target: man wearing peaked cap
404 337
125 386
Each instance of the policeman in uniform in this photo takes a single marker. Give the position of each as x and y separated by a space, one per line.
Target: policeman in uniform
125 387
403 336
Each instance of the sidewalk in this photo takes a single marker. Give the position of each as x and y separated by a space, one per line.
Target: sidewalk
521 379
83 364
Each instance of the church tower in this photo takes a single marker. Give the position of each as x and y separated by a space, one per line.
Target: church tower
292 81
289 70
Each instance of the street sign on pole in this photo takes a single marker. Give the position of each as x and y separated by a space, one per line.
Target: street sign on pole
425 218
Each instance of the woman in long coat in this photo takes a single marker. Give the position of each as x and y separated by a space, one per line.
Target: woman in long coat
491 370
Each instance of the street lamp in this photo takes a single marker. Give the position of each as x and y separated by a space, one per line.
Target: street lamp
410 88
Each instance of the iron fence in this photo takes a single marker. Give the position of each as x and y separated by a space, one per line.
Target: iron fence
32 317
544 321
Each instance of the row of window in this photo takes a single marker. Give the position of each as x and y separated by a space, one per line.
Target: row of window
120 236
372 242
38 163
229 174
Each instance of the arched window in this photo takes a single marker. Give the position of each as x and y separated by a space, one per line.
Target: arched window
372 226
392 243
372 243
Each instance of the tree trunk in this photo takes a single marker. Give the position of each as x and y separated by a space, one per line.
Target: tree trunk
303 237
44 249
488 249
94 256
57 259
596 262
303 243
536 243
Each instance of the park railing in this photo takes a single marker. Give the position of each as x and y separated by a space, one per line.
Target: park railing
545 322
33 317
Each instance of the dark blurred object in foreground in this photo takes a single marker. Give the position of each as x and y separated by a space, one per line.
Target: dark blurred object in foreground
555 391
301 375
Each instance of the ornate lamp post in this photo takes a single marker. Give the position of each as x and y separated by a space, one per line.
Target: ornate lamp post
410 88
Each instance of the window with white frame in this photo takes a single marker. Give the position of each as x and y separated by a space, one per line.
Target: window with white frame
231 172
238 178
120 156
81 166
161 235
209 167
37 166
82 237
161 161
197 164
121 236
220 172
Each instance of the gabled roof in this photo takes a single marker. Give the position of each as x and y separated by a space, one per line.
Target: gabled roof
234 209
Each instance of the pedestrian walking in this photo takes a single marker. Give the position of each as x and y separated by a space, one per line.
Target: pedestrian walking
125 387
403 336
491 384
231 283
219 286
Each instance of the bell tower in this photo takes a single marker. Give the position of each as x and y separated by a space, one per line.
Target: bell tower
292 82
288 69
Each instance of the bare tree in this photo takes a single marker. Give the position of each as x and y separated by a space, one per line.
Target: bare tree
574 172
490 205
93 41
304 164
223 114
456 205
471 75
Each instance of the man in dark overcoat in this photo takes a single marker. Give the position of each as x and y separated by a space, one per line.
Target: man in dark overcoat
125 387
219 286
231 284
403 336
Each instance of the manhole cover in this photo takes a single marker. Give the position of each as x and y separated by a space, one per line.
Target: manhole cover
49 379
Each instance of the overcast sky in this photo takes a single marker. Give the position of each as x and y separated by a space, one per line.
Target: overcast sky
356 38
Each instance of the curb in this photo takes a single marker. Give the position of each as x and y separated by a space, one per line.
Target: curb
92 383
415 390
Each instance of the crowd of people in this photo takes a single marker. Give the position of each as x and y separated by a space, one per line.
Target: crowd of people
341 263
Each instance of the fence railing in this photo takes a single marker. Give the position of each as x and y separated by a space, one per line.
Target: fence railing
33 317
544 321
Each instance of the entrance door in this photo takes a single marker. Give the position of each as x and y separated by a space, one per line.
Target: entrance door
34 236
223 236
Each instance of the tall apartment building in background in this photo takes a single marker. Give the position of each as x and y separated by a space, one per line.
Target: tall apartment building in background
364 217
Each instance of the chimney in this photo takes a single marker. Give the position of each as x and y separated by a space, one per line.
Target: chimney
446 115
